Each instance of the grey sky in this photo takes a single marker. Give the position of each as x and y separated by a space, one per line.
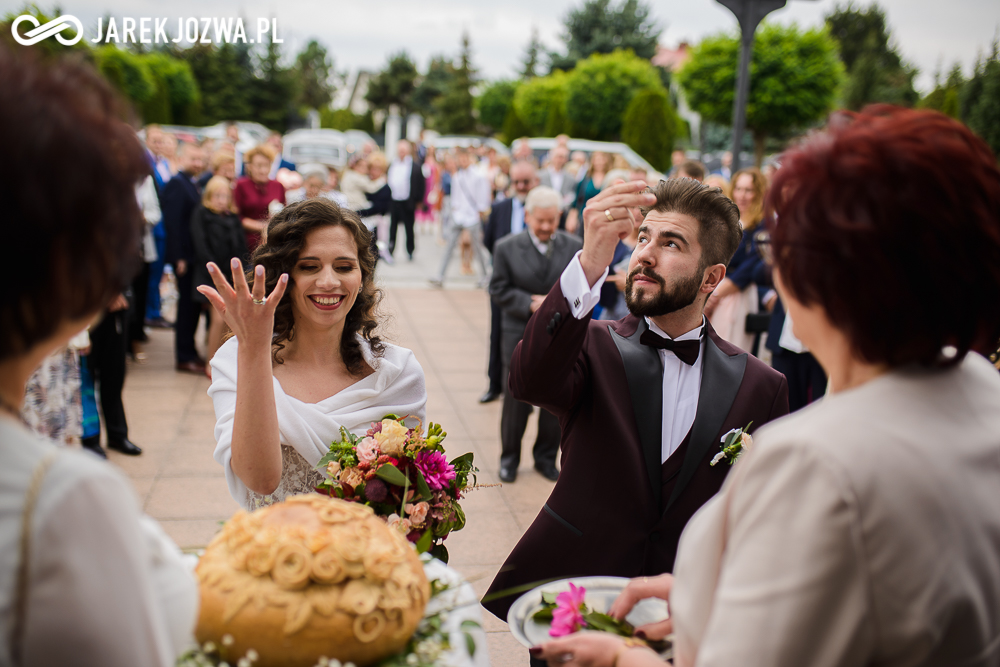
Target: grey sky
362 34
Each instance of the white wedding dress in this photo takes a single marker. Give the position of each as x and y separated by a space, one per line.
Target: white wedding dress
307 429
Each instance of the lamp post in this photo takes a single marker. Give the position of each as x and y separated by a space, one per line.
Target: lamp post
749 13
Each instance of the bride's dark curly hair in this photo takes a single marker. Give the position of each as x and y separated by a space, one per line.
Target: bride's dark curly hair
278 253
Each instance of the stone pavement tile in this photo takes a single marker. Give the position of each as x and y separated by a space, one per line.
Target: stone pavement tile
142 486
487 538
505 651
192 461
146 464
191 498
464 380
191 534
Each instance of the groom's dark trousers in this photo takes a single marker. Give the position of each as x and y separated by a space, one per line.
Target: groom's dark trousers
618 509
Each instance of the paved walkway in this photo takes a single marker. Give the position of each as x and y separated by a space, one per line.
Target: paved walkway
171 418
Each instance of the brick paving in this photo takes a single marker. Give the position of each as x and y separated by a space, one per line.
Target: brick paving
171 418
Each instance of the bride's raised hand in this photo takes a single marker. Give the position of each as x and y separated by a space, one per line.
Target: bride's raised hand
247 312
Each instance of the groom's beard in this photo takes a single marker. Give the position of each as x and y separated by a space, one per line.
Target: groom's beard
664 301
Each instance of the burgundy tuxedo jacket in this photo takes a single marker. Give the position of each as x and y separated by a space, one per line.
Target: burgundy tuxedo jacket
607 514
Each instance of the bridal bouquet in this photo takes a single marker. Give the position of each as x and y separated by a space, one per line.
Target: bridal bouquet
404 476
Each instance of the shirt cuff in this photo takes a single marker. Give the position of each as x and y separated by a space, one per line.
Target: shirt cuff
573 282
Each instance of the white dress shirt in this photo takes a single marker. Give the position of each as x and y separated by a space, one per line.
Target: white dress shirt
470 196
543 248
556 178
681 383
399 178
516 216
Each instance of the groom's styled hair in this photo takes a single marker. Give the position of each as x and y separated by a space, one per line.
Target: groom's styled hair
719 231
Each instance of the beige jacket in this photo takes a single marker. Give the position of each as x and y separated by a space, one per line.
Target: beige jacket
863 530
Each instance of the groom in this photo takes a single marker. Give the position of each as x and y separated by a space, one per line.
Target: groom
643 402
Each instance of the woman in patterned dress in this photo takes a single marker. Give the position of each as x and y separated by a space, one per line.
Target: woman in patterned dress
306 360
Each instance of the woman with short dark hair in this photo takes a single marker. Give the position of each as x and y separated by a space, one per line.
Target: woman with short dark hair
305 360
865 528
85 577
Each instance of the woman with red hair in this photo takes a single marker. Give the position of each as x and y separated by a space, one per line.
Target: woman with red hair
865 528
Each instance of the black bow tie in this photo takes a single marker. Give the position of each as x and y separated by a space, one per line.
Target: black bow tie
685 350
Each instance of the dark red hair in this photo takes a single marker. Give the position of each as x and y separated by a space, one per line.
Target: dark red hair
890 221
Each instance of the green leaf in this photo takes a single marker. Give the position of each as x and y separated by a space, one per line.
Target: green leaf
470 644
605 623
548 597
543 615
423 490
328 458
440 552
391 474
424 543
465 461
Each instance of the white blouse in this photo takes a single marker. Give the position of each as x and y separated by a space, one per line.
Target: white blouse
106 586
862 530
396 387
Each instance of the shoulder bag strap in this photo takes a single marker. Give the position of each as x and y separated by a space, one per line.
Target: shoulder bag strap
24 561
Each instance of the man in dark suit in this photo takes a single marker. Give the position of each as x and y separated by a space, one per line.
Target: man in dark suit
506 217
406 181
643 402
525 266
180 197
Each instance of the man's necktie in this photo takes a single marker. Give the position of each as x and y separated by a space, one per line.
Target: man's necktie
685 350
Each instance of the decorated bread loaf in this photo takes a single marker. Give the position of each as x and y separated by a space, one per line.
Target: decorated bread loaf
310 577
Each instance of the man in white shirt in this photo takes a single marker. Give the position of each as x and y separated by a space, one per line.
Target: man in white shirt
643 402
406 182
470 202
558 178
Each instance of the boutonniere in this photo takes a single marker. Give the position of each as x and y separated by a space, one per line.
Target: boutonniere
734 443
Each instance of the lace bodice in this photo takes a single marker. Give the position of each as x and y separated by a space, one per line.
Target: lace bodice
297 476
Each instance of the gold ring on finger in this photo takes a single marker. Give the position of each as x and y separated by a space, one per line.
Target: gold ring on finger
607 214
260 302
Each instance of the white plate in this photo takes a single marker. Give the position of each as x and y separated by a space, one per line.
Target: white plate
601 593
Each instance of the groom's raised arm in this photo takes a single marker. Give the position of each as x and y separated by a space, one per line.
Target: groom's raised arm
548 367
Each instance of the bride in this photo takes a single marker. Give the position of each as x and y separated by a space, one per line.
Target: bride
305 360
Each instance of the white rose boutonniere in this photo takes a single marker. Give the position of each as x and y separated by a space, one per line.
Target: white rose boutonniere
734 443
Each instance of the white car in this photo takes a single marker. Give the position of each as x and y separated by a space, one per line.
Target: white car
327 147
540 146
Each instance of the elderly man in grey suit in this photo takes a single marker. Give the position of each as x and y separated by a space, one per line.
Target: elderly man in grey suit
557 177
525 267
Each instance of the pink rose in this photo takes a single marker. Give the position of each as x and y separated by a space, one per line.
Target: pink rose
402 525
418 513
333 469
367 450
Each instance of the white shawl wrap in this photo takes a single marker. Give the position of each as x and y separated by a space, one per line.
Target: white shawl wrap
396 387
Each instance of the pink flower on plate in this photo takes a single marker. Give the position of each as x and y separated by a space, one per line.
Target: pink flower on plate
567 617
435 468
367 450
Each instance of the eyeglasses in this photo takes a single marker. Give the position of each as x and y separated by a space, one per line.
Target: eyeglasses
763 240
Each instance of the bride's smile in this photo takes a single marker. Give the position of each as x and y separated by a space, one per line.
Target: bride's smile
326 278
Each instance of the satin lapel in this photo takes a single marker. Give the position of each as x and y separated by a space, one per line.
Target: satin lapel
644 372
721 377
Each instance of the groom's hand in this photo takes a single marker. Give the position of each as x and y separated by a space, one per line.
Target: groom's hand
607 219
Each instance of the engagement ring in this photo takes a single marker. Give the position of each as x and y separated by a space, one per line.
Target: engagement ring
260 302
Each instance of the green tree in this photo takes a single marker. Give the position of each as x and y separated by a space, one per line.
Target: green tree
531 63
875 70
650 126
980 100
494 103
602 27
345 119
455 108
224 75
432 87
600 88
127 72
394 84
313 69
795 77
177 96
513 127
535 99
944 97
273 91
